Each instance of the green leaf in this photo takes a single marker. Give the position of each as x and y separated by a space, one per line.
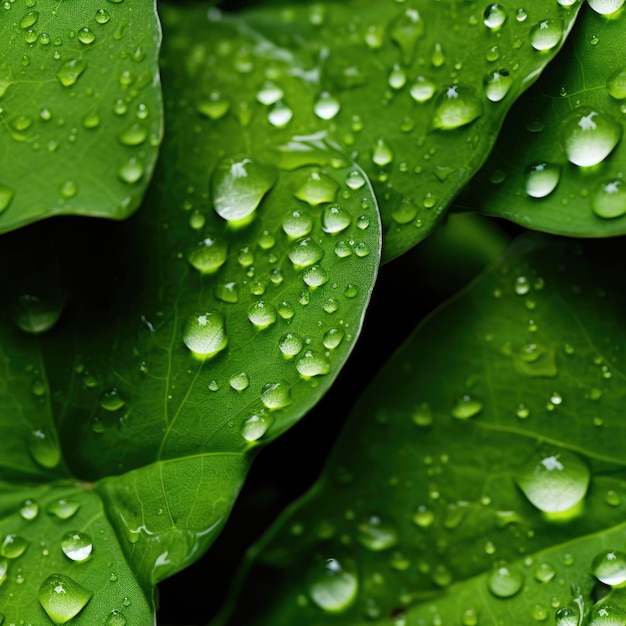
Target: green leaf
80 103
480 474
416 91
143 364
559 161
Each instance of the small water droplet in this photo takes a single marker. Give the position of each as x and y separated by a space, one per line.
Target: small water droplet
29 510
62 598
63 509
255 427
131 171
333 588
504 582
315 276
317 189
102 16
546 35
405 30
381 153
279 115
541 179
262 314
209 255
44 447
326 106
205 334
497 84
332 338
239 381
335 219
29 19
544 572
422 89
423 517
376 535
6 195
275 396
456 106
397 77
115 618
112 400
609 199
269 93
494 16
311 363
86 36
13 546
77 546
466 407
35 314
616 84
70 71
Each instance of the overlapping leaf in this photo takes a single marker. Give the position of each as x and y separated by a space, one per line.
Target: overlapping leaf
80 105
480 479
416 91
559 162
144 362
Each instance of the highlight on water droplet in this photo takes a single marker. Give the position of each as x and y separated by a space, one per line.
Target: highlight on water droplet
238 185
290 344
13 546
333 588
115 618
44 447
239 381
304 252
541 179
335 219
62 598
275 396
609 199
589 136
422 89
556 483
546 35
457 106
77 546
205 334
131 171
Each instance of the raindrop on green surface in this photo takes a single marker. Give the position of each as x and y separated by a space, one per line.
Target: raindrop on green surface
397 77
456 106
315 276
13 546
609 567
333 588
535 360
422 415
102 16
29 19
112 400
317 189
556 483
77 546
255 427
311 363
279 115
269 93
567 616
262 314
616 84
86 36
326 106
381 153
494 16
355 180
70 71
609 199
62 598
215 107
546 35
115 618
544 572
131 171
36 315
6 195
29 510
238 185
290 344
297 223
134 135
589 136
205 334
541 179
504 582
332 338
4 570
613 498
466 407
605 7
304 252
208 256
63 509
335 219
275 396
44 448
376 535
607 614
239 381
497 84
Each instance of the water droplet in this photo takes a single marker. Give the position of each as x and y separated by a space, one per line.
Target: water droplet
70 71
317 189
377 536
262 314
504 582
609 567
134 135
29 19
397 77
29 510
437 58
208 256
304 252
405 30
77 546
269 93
62 598
13 546
607 614
544 572
102 16
215 107
556 483
616 84
291 344
297 223
546 35
255 427
285 310
86 36
457 106
541 179
535 360
422 89
315 276
589 136
521 286
312 363
239 381
112 400
279 115
44 448
238 185
275 396
336 219
63 509
494 16
609 199
332 338
205 334
497 84
567 616
34 314
381 153
605 7
6 195
326 106
333 588
115 618
131 171
612 498
467 407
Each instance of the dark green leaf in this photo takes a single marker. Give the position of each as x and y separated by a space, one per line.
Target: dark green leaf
80 103
559 162
482 471
416 91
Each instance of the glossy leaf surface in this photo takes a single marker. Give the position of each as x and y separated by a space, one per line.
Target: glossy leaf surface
480 474
560 160
81 110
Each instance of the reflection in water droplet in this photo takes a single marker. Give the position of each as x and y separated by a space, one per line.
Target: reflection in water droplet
457 106
609 567
291 344
239 381
77 546
541 179
262 314
205 334
333 588
238 185
504 582
304 252
62 598
13 546
335 219
29 510
609 199
315 276
589 136
546 34
556 483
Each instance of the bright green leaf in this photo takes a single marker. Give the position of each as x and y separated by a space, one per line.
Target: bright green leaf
559 162
144 363
481 473
81 110
416 91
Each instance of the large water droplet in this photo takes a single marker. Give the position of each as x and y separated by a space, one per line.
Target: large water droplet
494 16
609 199
62 598
29 510
333 588
315 276
262 314
457 106
13 546
275 396
497 84
422 89
304 252
316 189
375 535
609 567
256 426
326 106
291 344
607 614
77 546
589 136
238 185
44 447
546 34
131 171
605 7
616 84
567 616
279 115
504 582
215 107
535 360
556 483
297 223
35 314
70 71
269 93
209 255
312 363
335 219
205 334
541 179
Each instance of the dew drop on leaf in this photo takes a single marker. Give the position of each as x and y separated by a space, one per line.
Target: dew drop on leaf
6 195
494 16
255 427
607 614
304 252
290 344
605 7
609 199
335 219
316 189
115 618
616 84
497 84
567 616
239 381
541 179
312 363
504 582
29 510
456 107
609 567
466 407
70 71
262 314
77 546
326 106
44 448
62 598
422 89
376 535
546 35
13 546
63 509
275 396
131 171
205 334
208 255
333 588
